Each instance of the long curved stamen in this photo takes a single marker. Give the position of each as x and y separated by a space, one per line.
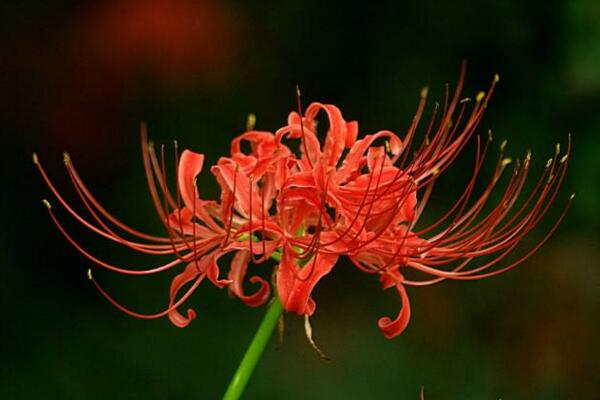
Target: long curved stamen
76 215
160 314
111 267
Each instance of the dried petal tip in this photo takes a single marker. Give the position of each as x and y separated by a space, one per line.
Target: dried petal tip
36 161
250 122
47 204
89 274
480 96
424 91
66 158
309 336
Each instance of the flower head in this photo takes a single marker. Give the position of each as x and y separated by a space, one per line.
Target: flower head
305 204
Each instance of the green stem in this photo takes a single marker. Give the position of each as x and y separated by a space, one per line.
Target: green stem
254 352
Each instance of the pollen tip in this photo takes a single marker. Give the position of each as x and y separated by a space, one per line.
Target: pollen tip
490 135
66 158
36 161
465 100
47 204
89 274
496 78
572 196
388 148
424 91
250 122
503 144
548 163
528 155
506 161
298 90
564 158
480 96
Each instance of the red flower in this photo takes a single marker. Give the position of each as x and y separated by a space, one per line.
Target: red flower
356 198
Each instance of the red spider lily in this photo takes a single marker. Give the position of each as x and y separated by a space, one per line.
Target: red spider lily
349 196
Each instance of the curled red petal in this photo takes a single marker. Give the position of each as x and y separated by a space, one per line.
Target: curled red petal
352 133
392 328
239 266
191 272
354 160
212 269
337 135
190 165
295 284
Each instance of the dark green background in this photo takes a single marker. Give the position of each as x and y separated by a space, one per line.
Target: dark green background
72 77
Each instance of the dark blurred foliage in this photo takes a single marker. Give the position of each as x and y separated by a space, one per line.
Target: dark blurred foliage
81 76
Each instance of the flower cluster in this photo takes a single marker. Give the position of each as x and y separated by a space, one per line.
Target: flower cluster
286 196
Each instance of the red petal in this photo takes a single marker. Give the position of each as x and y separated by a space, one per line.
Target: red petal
337 136
191 272
212 270
392 328
295 284
190 165
239 266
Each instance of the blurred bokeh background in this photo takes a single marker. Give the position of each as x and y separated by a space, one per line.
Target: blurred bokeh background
80 76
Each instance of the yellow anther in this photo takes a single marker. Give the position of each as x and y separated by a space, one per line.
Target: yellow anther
503 145
480 96
250 122
506 161
564 158
557 148
528 155
465 100
490 136
424 92
89 274
496 78
572 196
435 171
66 158
35 159
388 148
548 163
47 204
